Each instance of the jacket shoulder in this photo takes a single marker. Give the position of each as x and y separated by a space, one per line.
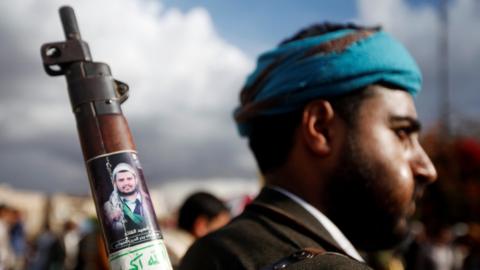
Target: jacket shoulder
314 259
329 260
245 243
210 253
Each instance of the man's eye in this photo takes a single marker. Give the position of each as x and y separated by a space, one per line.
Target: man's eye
402 133
406 135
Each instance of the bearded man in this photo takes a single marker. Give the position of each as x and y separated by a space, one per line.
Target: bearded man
125 209
330 119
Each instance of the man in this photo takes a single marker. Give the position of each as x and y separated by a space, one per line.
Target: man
125 209
200 214
331 121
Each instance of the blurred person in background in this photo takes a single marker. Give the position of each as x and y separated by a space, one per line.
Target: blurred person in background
472 241
7 255
18 239
200 214
49 252
71 239
439 250
91 247
434 249
331 121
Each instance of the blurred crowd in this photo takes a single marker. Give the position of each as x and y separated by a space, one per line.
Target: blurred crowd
80 245
445 248
76 246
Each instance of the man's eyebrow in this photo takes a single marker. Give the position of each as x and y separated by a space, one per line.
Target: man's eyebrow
413 124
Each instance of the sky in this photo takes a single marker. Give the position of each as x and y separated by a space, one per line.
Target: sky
185 62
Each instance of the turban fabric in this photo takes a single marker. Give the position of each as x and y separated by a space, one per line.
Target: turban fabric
324 66
121 167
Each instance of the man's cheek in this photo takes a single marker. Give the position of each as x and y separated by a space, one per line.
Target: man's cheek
402 182
400 190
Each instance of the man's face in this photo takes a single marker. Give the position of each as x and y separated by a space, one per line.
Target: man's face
381 172
126 183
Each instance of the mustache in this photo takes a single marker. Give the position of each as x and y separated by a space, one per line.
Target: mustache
123 194
418 192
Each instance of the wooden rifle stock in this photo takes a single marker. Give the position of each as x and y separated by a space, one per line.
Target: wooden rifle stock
132 235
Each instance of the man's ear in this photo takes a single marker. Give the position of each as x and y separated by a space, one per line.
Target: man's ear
200 226
316 126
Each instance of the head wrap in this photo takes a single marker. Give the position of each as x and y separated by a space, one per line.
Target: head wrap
121 167
324 66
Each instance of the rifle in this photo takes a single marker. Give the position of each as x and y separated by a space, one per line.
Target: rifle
133 239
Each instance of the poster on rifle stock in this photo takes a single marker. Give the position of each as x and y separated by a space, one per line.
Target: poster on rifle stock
125 209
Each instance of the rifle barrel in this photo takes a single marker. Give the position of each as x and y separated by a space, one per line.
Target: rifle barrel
69 22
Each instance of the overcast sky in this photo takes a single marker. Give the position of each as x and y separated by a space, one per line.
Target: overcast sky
185 62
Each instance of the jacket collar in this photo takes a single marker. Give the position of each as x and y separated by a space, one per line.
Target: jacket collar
296 214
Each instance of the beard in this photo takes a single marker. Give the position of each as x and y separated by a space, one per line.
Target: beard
359 204
126 194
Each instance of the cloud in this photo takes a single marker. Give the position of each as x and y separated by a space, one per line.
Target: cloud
184 80
419 29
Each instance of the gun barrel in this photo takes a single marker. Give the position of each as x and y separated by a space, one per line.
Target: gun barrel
69 22
133 237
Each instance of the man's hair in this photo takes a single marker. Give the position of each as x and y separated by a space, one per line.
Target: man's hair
199 204
271 137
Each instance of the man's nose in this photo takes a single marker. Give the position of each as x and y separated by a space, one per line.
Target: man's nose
422 167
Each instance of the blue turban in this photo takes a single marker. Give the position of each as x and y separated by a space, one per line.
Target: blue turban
324 66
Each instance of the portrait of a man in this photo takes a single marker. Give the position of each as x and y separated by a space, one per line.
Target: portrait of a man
126 207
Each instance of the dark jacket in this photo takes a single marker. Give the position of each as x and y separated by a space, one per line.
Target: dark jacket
271 228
